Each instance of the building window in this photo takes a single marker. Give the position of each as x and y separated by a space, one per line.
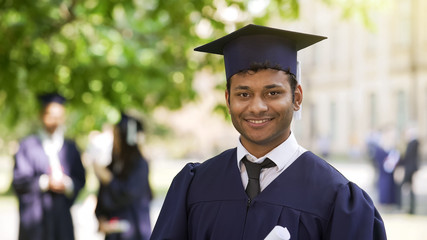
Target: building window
333 120
402 29
402 111
372 110
313 121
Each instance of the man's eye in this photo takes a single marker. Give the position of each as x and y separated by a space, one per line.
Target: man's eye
243 94
273 93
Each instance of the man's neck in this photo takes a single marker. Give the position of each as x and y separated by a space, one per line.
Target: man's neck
259 150
58 133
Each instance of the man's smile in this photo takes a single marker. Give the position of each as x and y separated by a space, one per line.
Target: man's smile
259 121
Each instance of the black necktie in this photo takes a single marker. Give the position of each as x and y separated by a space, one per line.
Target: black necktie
253 170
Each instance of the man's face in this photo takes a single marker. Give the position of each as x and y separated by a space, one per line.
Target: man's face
261 108
53 116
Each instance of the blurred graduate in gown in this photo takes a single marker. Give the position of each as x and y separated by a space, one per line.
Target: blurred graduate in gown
386 157
47 177
410 164
124 195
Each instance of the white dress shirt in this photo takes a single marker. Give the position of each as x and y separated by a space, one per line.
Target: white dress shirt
283 156
52 145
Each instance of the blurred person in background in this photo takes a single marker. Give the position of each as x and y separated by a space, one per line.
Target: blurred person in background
386 156
124 194
372 141
410 163
47 176
268 187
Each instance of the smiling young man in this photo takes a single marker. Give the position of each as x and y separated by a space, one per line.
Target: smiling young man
262 103
269 187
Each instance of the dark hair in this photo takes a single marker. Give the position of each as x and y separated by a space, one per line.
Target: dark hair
48 98
255 67
124 159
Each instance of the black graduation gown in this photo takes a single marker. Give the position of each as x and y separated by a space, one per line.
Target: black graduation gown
410 160
128 199
310 198
45 215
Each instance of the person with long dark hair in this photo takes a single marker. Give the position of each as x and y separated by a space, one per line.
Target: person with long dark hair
124 194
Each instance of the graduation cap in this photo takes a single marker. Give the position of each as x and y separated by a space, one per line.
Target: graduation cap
45 99
130 126
255 44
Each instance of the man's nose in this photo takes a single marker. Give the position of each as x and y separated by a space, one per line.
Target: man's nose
258 105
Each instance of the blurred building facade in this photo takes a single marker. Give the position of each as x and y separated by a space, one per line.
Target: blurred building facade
362 79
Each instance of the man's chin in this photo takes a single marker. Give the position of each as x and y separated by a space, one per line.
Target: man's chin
50 130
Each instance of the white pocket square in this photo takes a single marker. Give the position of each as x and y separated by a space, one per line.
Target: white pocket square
278 233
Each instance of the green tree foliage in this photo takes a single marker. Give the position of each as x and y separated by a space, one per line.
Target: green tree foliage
103 56
107 56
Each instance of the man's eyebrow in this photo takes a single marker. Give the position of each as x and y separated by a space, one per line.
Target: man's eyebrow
272 86
242 87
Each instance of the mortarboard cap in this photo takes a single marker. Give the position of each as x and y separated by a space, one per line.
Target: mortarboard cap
129 127
258 44
45 99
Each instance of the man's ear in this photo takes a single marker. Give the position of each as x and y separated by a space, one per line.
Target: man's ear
227 99
298 97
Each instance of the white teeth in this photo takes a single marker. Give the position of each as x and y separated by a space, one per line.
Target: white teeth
257 121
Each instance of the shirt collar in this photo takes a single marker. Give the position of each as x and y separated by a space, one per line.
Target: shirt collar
281 155
52 142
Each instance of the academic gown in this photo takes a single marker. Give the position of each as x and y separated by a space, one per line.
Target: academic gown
410 160
386 185
45 215
410 164
128 199
310 198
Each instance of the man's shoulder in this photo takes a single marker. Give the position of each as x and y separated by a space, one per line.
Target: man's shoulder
221 163
219 159
225 154
30 140
320 170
